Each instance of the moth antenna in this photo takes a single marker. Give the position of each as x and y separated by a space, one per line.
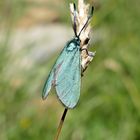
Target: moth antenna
92 10
74 25
89 17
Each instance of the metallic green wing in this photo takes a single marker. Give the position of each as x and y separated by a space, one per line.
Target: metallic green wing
65 75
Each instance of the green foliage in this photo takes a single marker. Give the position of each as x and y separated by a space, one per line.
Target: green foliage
109 106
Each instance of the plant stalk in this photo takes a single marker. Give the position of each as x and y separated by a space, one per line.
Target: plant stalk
61 124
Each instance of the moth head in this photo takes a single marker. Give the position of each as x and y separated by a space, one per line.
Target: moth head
77 40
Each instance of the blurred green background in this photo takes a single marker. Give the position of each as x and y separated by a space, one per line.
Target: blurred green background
32 33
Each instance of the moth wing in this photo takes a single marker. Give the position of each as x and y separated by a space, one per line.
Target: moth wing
52 75
65 76
69 78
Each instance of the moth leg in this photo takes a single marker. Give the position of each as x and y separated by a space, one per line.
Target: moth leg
85 49
86 60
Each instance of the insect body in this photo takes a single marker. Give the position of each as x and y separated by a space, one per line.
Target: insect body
65 75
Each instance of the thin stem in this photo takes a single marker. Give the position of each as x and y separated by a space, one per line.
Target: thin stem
61 124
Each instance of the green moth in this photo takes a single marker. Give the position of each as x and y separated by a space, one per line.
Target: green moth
65 75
